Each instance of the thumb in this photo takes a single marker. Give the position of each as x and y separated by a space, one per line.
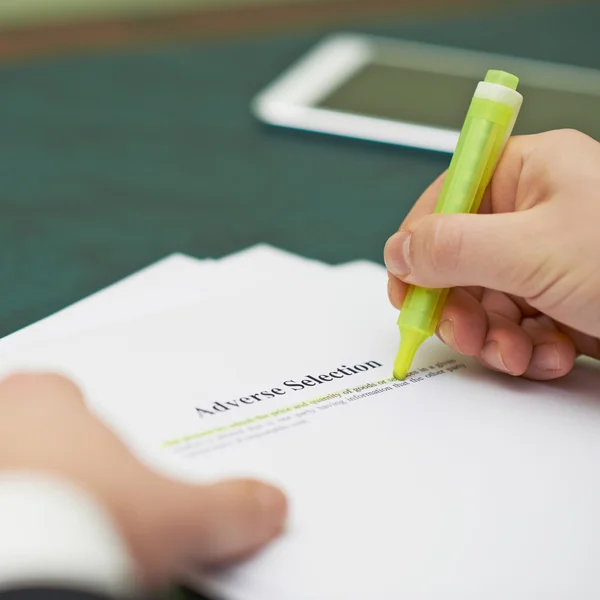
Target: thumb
220 523
496 251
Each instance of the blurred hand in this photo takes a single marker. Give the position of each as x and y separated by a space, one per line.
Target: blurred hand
168 526
525 271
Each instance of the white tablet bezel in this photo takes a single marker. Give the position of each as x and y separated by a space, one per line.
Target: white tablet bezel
290 100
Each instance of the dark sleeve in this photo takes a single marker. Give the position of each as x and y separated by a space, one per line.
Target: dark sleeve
46 593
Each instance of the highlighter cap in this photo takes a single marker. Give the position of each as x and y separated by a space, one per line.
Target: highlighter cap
502 78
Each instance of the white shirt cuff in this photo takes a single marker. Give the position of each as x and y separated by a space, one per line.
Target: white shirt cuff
53 534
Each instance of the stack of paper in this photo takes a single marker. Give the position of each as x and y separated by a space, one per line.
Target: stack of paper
456 483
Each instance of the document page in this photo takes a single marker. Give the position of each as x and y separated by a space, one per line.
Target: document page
455 483
175 281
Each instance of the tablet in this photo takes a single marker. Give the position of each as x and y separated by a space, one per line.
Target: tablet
414 94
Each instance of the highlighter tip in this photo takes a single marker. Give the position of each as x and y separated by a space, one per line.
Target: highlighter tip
409 344
400 372
403 362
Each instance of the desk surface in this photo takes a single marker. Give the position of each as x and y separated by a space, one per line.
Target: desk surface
112 160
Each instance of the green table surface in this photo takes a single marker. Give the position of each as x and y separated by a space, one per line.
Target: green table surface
110 161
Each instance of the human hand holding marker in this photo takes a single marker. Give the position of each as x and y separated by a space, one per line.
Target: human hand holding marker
525 271
488 125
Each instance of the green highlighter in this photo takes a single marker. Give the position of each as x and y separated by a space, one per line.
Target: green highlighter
487 128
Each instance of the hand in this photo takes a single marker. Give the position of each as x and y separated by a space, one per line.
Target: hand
525 272
168 526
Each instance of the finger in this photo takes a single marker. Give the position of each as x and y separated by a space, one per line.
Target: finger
221 523
584 344
475 291
492 251
463 324
501 194
425 205
553 353
511 190
545 322
526 309
396 291
505 189
507 346
498 303
40 385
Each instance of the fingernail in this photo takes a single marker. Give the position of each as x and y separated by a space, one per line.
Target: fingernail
546 357
492 356
446 333
397 254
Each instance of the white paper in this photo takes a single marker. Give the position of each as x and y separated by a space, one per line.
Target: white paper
175 281
458 484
